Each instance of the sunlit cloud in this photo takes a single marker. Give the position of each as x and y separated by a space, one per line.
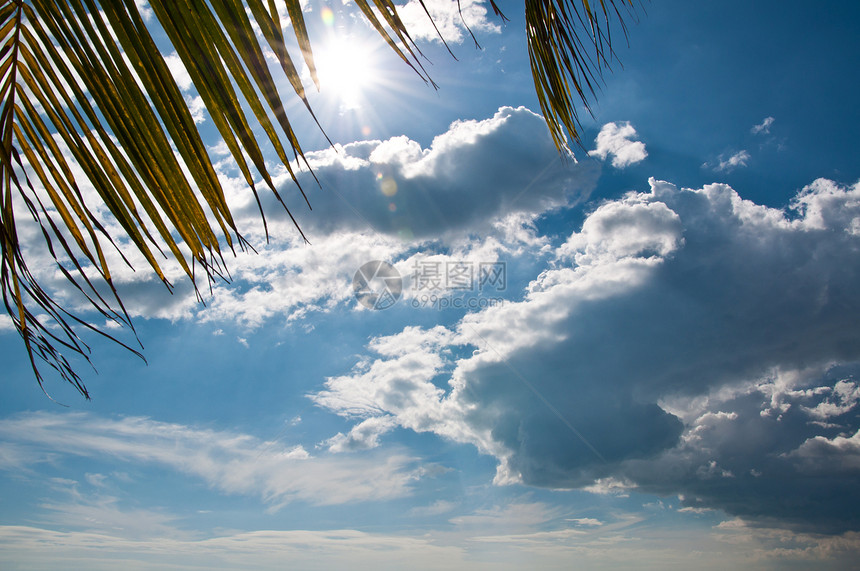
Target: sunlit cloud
617 140
579 384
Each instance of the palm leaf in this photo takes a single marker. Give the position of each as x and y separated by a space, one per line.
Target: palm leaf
84 83
569 45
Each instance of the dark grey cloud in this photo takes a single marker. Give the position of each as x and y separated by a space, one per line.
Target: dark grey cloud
684 341
767 461
472 175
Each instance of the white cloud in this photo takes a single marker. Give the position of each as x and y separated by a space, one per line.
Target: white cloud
543 543
513 516
450 17
197 108
616 139
438 507
662 294
843 398
763 127
822 455
178 71
782 548
97 480
471 176
825 204
102 513
587 521
230 462
491 177
467 182
263 549
363 436
145 10
610 486
292 279
730 163
625 229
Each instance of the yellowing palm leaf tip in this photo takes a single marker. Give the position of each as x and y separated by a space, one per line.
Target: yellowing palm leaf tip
100 151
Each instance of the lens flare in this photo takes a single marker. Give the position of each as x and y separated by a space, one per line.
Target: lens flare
327 16
388 186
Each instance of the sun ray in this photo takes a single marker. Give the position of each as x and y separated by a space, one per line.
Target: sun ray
347 68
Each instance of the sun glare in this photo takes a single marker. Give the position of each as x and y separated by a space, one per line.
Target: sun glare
346 69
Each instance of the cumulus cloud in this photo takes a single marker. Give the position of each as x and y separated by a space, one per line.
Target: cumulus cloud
476 173
829 456
378 200
683 342
451 19
616 139
363 436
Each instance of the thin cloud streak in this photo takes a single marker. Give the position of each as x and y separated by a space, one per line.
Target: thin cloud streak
232 463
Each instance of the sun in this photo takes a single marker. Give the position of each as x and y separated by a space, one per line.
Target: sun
346 68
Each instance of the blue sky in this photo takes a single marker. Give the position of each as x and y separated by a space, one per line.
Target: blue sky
665 378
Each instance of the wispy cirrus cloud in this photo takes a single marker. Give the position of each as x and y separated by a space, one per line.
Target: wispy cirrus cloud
728 163
230 462
762 128
727 545
24 547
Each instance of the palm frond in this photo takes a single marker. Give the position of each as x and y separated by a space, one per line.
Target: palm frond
83 85
570 44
